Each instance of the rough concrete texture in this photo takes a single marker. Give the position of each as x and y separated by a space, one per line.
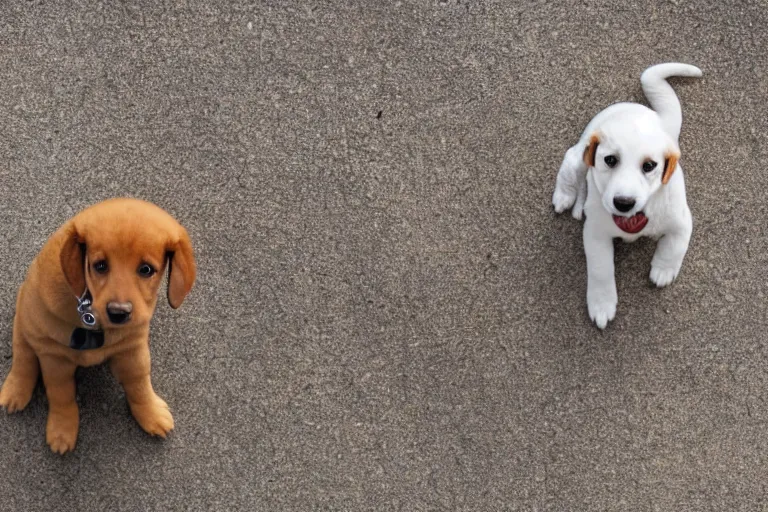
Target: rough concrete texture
389 315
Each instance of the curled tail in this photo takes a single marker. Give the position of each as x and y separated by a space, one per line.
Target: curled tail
662 97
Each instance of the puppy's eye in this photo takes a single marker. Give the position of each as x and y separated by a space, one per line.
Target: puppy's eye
649 166
611 161
101 266
146 270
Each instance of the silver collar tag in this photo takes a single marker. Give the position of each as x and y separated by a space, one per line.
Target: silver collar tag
84 309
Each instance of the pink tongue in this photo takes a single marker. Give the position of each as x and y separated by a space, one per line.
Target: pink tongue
633 224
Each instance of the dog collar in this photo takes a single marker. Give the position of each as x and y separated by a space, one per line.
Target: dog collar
85 339
84 309
81 338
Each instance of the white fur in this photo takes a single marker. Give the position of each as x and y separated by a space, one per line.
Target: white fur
633 133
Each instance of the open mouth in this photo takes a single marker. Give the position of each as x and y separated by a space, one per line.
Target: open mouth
633 224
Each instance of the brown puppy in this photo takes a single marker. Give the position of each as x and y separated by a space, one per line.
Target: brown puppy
113 253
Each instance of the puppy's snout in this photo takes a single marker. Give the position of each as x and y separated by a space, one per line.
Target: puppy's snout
623 204
119 312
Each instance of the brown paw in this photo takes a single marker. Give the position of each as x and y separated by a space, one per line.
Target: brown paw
154 417
15 394
61 432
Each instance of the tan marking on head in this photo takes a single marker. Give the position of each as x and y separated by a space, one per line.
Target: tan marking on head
670 164
591 150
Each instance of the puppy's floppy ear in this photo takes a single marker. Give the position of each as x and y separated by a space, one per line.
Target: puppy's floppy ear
670 164
181 268
591 150
72 258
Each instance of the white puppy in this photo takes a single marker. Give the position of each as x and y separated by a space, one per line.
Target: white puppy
624 175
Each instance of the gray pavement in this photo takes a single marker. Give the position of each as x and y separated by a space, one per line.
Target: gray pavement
388 315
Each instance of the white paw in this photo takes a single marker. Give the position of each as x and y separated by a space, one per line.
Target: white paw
602 311
663 276
562 200
578 210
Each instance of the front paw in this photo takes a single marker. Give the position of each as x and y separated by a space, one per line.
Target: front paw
602 310
563 199
15 394
578 210
61 431
154 417
662 276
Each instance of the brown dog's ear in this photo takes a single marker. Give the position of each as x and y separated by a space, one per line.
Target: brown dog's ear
670 164
591 150
181 269
72 258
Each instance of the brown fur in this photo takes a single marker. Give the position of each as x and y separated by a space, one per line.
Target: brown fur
670 164
126 233
591 150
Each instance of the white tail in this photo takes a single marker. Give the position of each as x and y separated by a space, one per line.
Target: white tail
662 97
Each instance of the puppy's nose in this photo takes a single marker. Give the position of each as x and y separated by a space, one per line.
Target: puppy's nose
119 312
623 204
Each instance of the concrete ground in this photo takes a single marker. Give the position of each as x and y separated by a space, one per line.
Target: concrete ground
389 315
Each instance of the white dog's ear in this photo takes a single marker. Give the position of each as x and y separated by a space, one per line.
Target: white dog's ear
591 150
670 164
